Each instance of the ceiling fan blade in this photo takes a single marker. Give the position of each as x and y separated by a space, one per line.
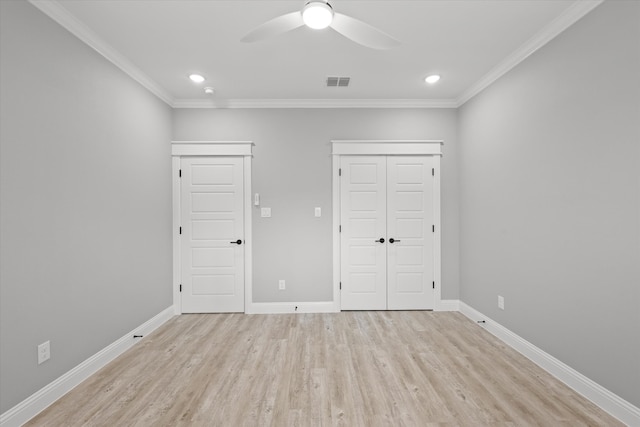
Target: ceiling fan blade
362 33
276 26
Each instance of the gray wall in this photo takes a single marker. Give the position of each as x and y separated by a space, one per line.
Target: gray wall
550 198
85 201
292 173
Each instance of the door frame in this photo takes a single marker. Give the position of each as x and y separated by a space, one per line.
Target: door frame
351 147
181 149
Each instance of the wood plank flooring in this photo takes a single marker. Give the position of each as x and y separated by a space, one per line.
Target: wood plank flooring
412 368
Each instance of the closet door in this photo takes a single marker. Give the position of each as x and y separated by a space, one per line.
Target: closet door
363 220
409 229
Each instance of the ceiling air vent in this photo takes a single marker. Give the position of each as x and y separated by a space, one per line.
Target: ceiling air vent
338 81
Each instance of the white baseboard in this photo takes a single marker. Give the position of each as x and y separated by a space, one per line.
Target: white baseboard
292 307
40 400
448 305
322 307
608 401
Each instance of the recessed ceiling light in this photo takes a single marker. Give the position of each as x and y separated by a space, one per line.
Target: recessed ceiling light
196 78
208 90
317 14
432 78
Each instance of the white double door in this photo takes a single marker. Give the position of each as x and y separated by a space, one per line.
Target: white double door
212 234
387 238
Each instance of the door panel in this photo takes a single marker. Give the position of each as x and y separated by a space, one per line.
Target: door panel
212 212
363 219
409 222
408 201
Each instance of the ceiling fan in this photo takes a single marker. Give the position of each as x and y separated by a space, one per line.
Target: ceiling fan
319 14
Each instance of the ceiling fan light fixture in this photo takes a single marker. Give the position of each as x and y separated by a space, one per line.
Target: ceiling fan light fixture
317 14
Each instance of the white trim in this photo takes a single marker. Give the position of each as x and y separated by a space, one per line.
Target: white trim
437 238
212 148
40 400
569 17
248 235
423 147
335 191
448 305
177 220
315 103
291 307
211 142
606 400
62 16
363 147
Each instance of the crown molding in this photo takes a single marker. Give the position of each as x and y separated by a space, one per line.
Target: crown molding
314 103
58 13
569 17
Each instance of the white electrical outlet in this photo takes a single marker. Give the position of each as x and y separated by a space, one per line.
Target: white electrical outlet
318 212
281 285
500 302
44 352
265 212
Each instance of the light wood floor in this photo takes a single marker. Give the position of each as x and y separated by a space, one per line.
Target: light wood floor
348 369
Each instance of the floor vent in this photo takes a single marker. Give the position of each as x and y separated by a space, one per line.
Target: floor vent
338 81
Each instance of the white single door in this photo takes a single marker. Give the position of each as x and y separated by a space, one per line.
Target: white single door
212 239
410 248
363 222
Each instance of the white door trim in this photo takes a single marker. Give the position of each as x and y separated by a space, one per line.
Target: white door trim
211 148
355 147
386 147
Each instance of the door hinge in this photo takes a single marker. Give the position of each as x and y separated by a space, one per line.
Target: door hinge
434 285
433 171
340 172
180 230
340 285
433 228
180 288
339 229
179 173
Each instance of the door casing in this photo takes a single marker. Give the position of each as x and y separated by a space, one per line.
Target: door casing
210 148
387 148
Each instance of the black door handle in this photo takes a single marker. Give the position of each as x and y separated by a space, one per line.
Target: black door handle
237 242
381 240
391 240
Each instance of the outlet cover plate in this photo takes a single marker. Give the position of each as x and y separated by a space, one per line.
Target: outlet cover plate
500 302
281 285
44 352
265 212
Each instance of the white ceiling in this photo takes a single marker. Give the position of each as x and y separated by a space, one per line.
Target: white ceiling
468 42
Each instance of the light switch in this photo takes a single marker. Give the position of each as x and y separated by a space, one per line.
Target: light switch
265 212
256 199
318 212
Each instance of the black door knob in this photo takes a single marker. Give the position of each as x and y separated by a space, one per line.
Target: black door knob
381 240
237 242
391 240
